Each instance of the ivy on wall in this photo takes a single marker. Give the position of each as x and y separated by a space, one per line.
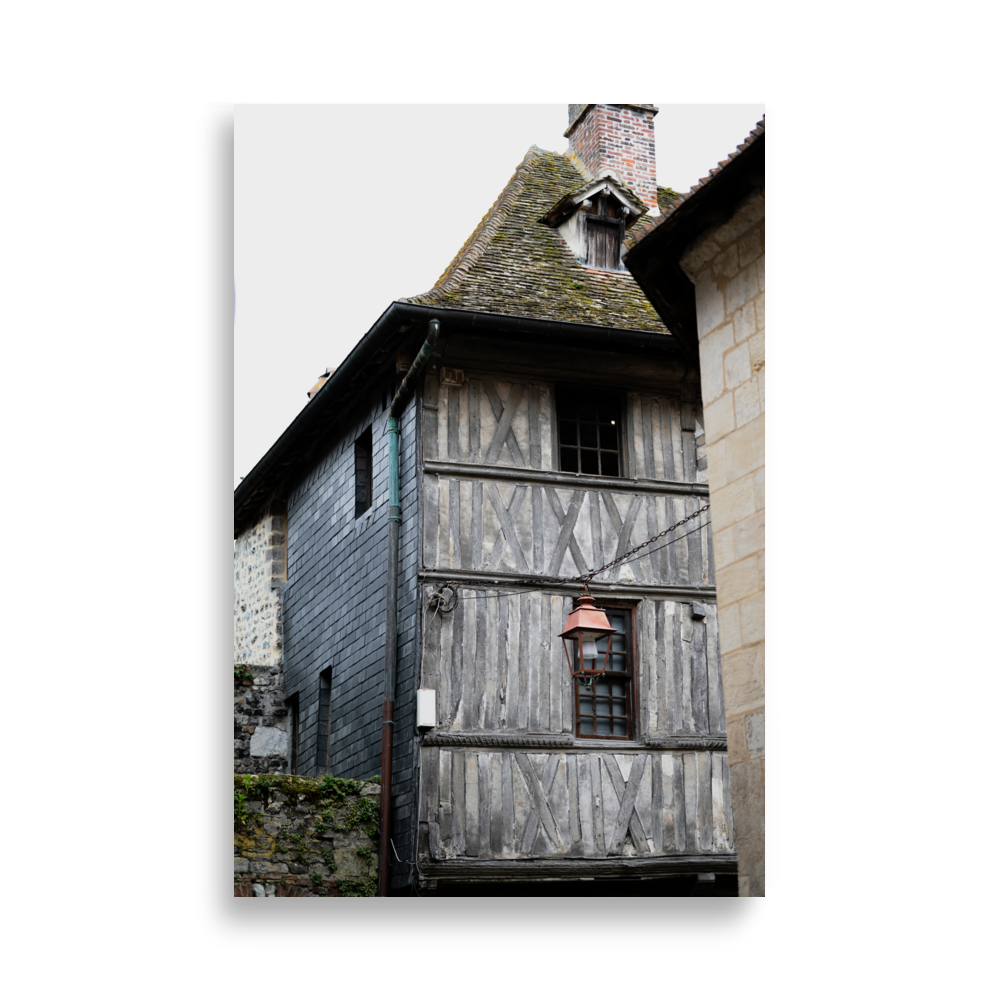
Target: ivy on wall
294 828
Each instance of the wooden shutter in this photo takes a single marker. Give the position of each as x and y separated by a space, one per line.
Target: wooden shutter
603 242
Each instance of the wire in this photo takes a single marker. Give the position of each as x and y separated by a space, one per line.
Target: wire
454 585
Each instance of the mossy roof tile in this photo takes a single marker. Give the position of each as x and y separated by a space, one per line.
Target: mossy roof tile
515 265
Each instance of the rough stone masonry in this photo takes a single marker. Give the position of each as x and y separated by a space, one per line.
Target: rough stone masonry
260 719
298 836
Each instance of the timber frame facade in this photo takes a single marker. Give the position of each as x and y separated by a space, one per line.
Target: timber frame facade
507 791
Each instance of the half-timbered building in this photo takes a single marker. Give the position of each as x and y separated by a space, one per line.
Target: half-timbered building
486 449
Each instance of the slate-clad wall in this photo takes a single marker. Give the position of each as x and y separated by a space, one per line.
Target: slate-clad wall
334 611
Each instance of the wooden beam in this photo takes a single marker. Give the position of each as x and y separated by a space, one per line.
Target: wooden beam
540 868
566 480
487 580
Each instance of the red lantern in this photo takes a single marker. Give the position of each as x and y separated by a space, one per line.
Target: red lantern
585 627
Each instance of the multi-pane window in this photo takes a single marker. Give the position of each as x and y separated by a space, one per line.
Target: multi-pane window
363 473
589 432
604 709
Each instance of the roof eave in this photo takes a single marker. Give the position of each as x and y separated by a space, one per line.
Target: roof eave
294 450
654 260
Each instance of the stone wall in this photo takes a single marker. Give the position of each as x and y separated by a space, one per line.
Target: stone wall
726 264
296 836
260 571
260 723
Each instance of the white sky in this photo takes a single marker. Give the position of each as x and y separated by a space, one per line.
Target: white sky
341 209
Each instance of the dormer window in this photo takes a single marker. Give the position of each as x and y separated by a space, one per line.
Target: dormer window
605 228
593 219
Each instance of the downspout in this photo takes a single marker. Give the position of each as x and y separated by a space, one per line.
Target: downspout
395 412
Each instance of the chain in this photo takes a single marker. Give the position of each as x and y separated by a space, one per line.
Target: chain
631 552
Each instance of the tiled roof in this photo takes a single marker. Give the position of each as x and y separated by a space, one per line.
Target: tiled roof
515 265
755 134
665 197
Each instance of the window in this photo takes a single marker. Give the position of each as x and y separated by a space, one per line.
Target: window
604 229
604 710
292 706
323 723
363 473
589 432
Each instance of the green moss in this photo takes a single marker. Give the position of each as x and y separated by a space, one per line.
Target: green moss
323 796
358 887
298 789
525 268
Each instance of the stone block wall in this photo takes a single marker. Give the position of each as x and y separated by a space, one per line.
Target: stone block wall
726 264
260 721
297 836
260 571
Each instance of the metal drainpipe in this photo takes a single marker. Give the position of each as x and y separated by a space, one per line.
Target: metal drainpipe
395 412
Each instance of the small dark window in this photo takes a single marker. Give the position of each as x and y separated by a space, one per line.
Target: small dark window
292 705
604 710
589 432
363 473
323 724
605 229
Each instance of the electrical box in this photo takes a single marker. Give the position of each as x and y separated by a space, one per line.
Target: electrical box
426 708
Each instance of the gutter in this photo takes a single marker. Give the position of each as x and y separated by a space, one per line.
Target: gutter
396 409
257 488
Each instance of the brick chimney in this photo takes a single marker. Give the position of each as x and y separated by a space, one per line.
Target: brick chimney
617 137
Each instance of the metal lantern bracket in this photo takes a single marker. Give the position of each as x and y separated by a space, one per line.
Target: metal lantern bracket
586 626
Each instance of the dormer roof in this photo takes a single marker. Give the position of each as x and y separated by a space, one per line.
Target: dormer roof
632 207
514 264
